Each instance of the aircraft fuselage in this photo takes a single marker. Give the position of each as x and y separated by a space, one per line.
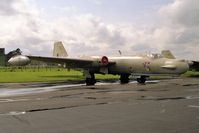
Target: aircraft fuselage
139 65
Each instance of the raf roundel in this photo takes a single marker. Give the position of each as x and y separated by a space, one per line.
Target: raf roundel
104 60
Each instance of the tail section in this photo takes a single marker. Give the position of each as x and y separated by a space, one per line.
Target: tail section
59 50
167 54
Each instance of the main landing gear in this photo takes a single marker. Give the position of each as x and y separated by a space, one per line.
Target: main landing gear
91 80
141 80
124 78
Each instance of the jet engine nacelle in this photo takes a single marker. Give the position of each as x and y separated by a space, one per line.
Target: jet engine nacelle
19 60
104 61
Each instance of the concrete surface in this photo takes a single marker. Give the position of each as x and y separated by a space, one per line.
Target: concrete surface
167 106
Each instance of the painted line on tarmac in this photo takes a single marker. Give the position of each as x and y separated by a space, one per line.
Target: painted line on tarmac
13 113
192 97
193 106
24 91
15 92
12 100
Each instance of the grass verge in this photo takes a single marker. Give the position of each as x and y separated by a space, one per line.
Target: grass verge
191 74
48 74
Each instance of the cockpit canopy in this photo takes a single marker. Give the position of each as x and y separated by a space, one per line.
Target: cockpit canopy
154 56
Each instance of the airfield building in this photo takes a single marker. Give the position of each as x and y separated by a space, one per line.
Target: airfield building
2 57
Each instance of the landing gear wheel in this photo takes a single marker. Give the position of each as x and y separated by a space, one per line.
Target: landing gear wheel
124 79
141 80
91 81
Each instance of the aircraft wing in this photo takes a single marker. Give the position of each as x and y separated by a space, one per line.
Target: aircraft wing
194 66
70 62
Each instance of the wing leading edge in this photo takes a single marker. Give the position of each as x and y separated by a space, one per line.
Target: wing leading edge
71 62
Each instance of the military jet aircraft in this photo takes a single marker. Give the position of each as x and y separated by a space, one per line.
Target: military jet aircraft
140 65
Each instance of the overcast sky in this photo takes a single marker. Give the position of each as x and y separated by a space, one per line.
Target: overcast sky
101 27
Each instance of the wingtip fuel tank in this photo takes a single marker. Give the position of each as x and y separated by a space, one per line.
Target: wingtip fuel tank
18 60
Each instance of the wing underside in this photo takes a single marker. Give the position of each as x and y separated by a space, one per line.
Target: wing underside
69 62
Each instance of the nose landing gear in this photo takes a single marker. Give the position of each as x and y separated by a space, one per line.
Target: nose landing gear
91 80
141 80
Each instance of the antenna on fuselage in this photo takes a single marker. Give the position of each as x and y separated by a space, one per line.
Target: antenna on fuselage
120 53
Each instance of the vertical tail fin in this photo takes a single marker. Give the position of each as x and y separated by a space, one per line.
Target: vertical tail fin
59 50
167 54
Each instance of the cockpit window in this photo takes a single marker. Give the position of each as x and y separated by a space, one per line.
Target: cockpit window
154 56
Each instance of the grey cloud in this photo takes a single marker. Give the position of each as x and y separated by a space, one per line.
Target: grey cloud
89 35
143 47
7 7
80 48
188 36
179 30
188 13
32 24
112 37
182 12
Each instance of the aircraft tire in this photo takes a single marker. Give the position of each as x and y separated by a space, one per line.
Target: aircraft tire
141 80
91 81
124 79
